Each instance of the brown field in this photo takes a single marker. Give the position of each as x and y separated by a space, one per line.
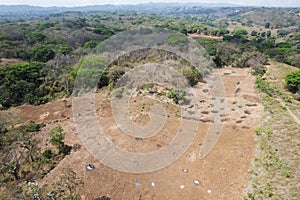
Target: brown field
223 174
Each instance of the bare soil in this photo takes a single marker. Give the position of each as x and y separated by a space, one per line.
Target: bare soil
223 174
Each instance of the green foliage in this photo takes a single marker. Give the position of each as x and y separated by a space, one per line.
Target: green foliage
266 87
42 53
267 25
91 73
293 81
47 154
91 44
269 34
282 33
254 60
5 179
3 37
115 75
57 137
38 36
64 49
45 25
33 127
240 32
193 75
254 33
177 39
104 31
19 84
177 95
219 32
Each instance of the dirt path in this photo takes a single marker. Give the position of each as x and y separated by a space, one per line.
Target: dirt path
195 36
275 73
295 118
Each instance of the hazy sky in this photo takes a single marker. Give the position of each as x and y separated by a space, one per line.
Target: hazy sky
99 2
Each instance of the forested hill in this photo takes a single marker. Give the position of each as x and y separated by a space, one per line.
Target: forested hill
13 10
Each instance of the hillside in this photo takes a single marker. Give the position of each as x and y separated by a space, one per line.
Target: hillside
149 101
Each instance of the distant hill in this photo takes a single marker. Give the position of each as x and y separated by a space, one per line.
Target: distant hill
26 10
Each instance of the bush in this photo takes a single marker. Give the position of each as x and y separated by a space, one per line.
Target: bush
47 154
177 95
33 127
42 53
103 31
91 44
57 136
240 32
91 72
293 81
64 49
192 75
19 84
177 40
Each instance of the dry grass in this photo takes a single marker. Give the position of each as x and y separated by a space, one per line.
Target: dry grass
275 170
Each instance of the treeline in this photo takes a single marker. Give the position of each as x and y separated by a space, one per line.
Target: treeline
51 48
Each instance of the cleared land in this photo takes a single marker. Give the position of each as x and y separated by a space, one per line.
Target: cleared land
224 172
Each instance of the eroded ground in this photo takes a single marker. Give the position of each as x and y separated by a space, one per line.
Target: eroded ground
223 174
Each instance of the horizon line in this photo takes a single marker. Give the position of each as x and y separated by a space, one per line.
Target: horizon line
135 4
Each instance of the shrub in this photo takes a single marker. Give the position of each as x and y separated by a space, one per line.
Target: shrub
19 83
47 154
42 53
103 31
91 44
192 75
57 136
177 39
64 49
293 81
177 95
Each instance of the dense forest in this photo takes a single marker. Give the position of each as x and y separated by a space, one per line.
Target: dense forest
48 48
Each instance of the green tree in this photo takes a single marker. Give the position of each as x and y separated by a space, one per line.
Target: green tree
267 25
19 83
42 53
57 136
64 49
240 32
91 44
178 95
104 31
254 33
293 81
177 39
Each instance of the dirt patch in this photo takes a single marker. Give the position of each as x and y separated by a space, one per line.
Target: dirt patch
9 61
223 174
195 36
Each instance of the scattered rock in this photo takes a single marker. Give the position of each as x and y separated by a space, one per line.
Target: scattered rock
90 167
137 184
251 104
196 182
247 112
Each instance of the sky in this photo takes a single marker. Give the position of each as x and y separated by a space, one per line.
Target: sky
271 3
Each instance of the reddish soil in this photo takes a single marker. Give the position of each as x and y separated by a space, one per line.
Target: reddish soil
223 174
